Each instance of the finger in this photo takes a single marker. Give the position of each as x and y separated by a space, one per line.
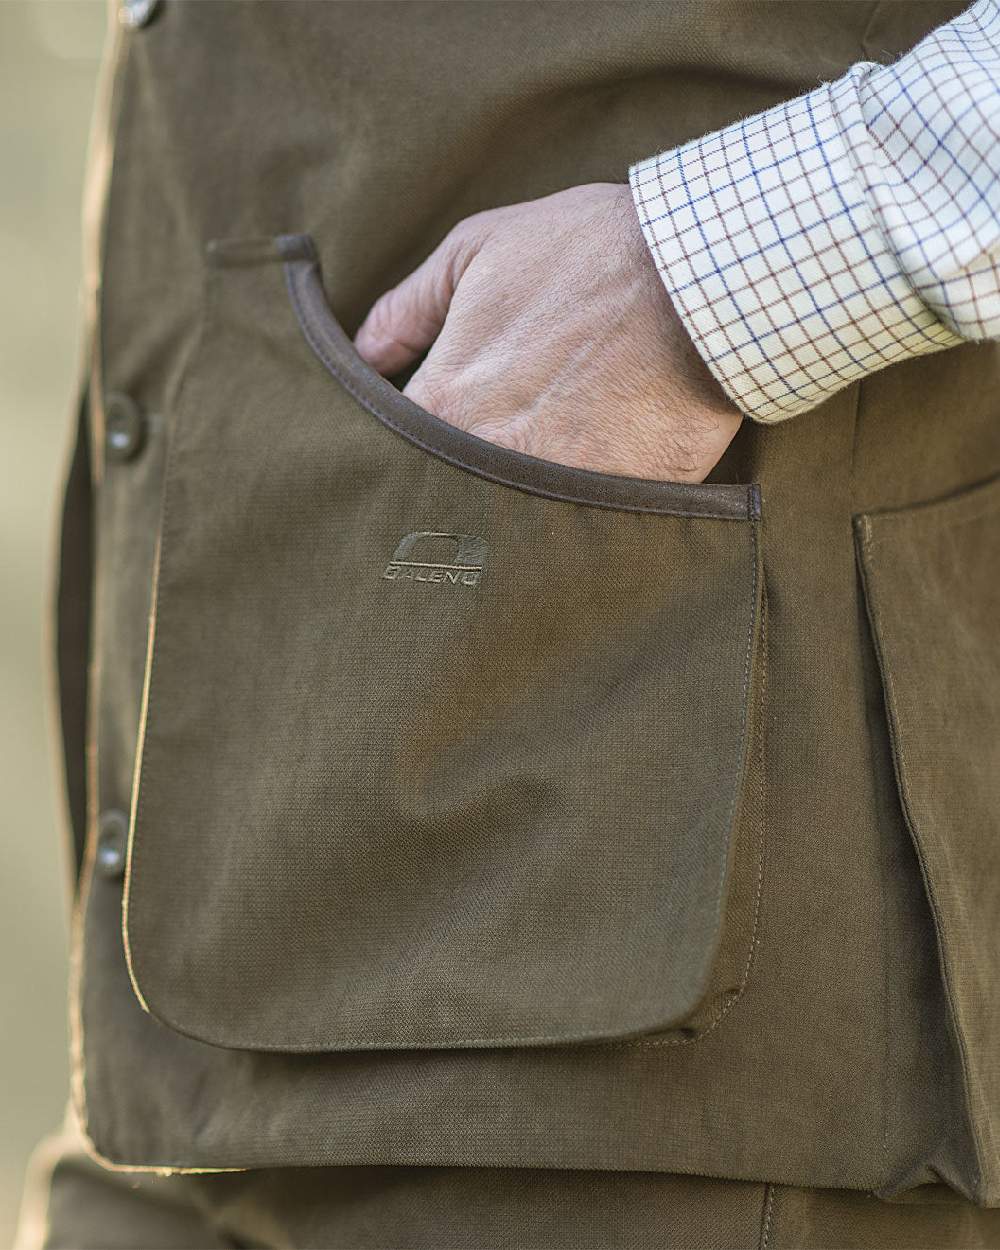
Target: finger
407 319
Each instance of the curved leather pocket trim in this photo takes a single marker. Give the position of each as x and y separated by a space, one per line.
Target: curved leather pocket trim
335 350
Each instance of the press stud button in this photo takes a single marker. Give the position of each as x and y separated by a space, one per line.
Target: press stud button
124 427
136 13
112 841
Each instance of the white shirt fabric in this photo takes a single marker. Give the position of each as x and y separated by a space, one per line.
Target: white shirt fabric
842 231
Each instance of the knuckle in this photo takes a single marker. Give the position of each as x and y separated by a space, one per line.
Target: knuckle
465 239
469 228
391 321
436 392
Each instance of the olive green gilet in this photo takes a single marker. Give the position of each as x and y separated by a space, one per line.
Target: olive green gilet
482 811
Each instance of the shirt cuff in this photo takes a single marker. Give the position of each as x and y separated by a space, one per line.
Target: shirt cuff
772 256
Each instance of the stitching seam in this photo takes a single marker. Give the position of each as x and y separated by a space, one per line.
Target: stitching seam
767 1214
735 995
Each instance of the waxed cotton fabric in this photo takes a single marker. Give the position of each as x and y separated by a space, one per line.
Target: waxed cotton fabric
838 1060
497 806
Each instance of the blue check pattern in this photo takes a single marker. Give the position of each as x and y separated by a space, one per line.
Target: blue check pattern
840 232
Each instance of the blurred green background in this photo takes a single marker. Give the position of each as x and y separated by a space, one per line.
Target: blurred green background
49 54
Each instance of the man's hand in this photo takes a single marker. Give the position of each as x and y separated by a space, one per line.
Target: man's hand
552 334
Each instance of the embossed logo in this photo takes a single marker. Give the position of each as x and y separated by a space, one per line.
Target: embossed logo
464 569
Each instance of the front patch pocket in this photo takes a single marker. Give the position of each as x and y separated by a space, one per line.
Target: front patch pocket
931 576
442 745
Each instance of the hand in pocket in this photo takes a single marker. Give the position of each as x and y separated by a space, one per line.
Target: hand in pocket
550 333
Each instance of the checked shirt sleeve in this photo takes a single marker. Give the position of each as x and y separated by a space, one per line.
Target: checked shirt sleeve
845 230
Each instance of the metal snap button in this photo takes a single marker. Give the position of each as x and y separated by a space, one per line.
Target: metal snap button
112 842
136 13
124 427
